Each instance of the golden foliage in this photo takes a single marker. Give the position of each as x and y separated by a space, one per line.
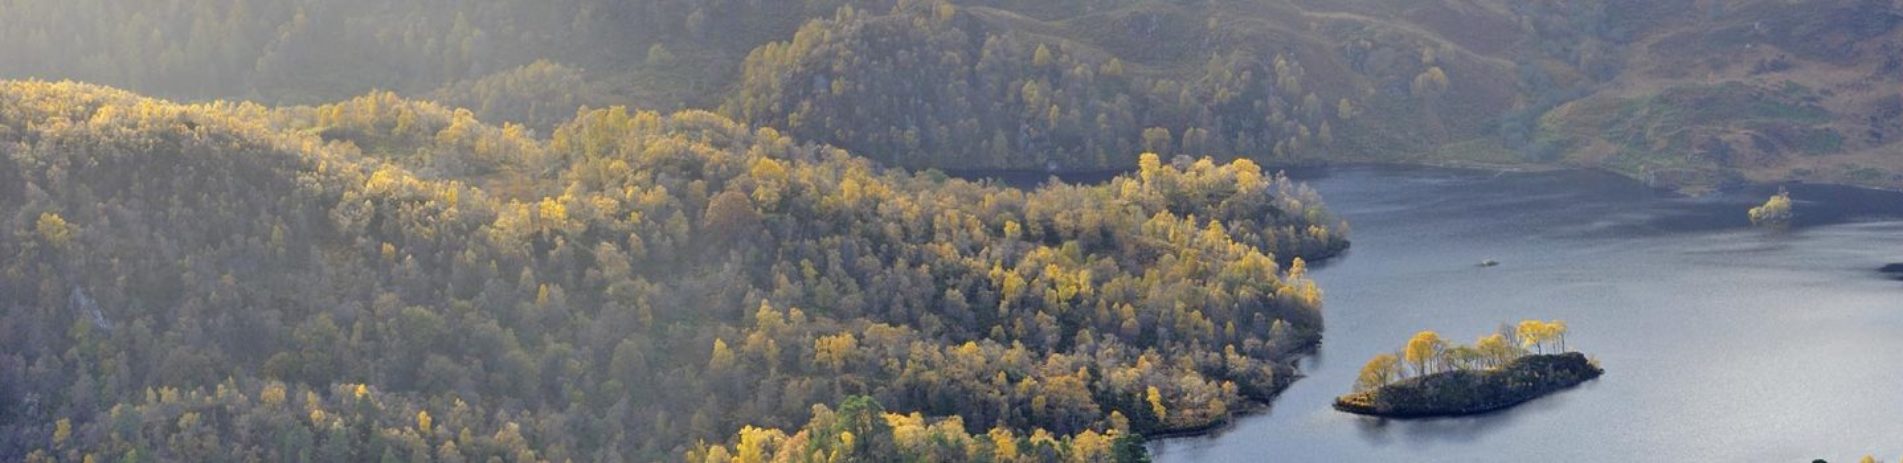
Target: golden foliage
722 358
1155 399
1379 371
62 430
1775 211
599 246
1422 350
54 229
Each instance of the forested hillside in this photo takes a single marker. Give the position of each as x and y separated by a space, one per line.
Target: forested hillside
1684 93
936 84
656 53
614 230
235 282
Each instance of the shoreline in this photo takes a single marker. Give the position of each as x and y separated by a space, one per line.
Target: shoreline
1256 405
1527 168
1251 405
1691 191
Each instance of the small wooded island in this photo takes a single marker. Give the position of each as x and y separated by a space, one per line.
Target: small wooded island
1499 371
1893 270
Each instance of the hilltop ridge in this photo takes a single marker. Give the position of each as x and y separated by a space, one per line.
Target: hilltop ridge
1681 93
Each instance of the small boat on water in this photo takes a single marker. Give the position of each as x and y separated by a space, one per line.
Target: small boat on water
1489 263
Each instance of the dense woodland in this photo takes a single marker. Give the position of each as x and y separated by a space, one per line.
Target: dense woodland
1787 91
932 83
931 86
473 54
408 230
389 279
1076 84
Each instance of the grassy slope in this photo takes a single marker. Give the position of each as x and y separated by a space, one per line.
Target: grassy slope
1761 91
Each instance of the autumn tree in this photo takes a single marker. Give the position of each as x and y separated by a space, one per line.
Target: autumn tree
731 216
54 229
1461 357
722 358
1537 334
1496 350
1423 350
1158 140
1775 212
1155 399
1379 371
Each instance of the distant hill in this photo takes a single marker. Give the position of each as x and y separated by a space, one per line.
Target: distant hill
316 51
1764 91
1683 93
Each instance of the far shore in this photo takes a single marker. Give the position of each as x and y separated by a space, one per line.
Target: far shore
1691 190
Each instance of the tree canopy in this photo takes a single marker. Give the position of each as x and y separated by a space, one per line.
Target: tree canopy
1427 353
385 277
1775 211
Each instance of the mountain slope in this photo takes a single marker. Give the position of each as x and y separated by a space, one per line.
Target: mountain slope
938 85
961 84
1685 94
184 282
1762 91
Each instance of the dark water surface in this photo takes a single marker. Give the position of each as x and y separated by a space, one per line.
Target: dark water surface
1721 342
